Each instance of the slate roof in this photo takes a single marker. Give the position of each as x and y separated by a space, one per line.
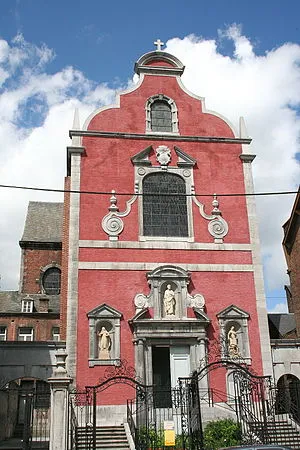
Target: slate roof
281 324
43 222
11 302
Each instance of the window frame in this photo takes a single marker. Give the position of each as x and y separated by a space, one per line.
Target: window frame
3 334
53 334
27 306
31 335
187 175
181 184
174 114
44 274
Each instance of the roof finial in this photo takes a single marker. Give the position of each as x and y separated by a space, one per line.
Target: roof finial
158 44
76 122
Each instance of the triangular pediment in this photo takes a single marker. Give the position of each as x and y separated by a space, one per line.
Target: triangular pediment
104 311
141 315
200 314
233 312
184 160
142 158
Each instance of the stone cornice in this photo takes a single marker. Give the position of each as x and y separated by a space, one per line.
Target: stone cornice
247 157
158 137
39 245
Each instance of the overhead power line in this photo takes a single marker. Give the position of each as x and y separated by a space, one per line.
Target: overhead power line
31 188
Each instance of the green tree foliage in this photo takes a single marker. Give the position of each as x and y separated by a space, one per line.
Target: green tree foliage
221 433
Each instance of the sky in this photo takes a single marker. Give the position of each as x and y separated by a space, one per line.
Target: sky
243 57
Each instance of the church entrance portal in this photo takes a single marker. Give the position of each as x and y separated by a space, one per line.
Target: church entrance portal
169 363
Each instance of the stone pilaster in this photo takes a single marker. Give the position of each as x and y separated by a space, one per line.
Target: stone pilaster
59 404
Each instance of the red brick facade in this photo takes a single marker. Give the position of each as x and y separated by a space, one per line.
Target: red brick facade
114 271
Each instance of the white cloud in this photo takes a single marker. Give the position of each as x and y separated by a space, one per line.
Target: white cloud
279 308
34 155
265 89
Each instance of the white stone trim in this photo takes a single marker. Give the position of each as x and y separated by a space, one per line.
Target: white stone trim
99 265
258 272
204 109
172 244
114 105
72 296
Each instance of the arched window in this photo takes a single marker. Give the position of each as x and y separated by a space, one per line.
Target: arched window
51 281
161 115
164 211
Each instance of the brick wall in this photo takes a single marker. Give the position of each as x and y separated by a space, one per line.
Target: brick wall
34 260
42 325
293 262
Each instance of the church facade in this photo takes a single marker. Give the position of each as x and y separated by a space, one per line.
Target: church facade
160 265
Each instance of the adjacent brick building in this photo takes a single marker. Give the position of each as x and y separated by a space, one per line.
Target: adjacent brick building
291 246
33 312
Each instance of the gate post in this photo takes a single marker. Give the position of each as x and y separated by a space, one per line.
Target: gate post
59 403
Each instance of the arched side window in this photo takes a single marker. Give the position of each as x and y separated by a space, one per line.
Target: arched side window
164 211
51 281
161 115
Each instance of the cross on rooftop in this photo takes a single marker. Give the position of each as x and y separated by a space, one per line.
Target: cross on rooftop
158 44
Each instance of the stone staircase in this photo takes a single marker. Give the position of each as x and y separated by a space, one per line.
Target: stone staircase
281 431
107 438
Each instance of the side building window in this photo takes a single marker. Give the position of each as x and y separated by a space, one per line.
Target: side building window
55 334
3 333
27 306
161 115
25 334
164 206
51 281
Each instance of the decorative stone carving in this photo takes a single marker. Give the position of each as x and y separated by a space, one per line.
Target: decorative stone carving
196 301
163 155
104 336
233 349
104 343
141 301
217 227
233 323
112 223
169 301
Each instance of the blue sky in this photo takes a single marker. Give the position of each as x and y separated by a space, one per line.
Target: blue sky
104 38
243 57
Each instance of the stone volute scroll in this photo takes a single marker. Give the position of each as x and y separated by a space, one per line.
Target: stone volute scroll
112 223
217 226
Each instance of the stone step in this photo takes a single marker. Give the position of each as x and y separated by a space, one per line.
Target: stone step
107 438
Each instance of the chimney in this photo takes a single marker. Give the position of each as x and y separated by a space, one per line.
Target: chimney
43 305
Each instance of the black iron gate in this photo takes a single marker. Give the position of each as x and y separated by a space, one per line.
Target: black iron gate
25 416
253 401
147 412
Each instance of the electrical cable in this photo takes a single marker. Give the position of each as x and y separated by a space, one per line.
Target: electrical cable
31 188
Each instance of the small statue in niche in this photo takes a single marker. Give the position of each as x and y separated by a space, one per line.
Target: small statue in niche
104 344
233 349
169 301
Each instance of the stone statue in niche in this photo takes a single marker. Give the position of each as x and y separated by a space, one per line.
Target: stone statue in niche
169 301
233 349
104 344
